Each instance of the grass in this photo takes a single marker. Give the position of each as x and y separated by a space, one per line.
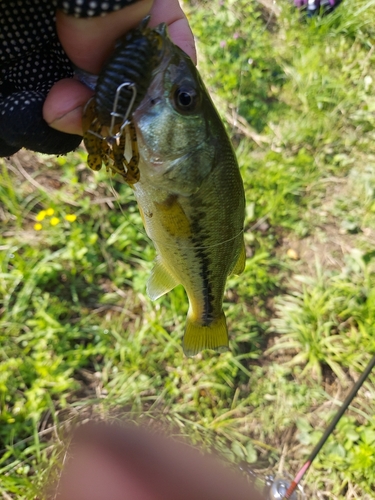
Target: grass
79 337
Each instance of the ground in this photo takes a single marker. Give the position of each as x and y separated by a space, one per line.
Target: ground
79 338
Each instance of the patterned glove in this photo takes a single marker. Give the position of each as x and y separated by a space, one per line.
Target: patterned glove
32 60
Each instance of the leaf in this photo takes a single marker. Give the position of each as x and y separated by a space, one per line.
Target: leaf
368 436
238 450
251 453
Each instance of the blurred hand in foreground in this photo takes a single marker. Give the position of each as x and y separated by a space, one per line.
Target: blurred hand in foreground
111 462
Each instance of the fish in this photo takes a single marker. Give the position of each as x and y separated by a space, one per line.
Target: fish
190 194
183 171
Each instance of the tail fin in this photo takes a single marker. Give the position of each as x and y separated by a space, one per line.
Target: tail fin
198 337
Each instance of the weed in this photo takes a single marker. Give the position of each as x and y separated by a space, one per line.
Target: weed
79 338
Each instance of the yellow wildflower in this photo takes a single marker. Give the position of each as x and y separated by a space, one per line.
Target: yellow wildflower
70 217
41 215
54 221
38 226
50 211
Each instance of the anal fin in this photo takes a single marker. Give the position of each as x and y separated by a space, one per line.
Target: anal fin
239 266
198 337
160 280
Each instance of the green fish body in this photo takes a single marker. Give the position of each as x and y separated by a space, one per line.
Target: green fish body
190 194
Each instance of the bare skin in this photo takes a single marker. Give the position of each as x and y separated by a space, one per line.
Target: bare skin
89 42
131 463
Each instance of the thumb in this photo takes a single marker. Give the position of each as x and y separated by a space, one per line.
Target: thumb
89 41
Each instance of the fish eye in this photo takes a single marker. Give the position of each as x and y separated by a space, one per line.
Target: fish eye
185 99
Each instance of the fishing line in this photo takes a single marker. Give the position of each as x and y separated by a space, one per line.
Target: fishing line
282 488
202 247
139 229
117 197
117 200
330 428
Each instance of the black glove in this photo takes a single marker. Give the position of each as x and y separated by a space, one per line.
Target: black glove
32 60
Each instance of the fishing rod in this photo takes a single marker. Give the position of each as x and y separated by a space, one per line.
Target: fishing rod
282 489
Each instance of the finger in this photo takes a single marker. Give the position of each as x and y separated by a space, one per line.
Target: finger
89 41
182 36
130 462
95 473
170 12
64 105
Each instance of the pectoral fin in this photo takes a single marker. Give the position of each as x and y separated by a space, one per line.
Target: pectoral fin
239 266
160 281
198 337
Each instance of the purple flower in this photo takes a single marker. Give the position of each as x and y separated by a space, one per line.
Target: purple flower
223 43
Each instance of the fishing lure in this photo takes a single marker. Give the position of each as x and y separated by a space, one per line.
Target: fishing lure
120 87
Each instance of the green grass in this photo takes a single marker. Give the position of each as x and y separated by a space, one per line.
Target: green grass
79 337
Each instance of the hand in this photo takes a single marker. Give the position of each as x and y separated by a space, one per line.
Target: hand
32 61
130 463
89 42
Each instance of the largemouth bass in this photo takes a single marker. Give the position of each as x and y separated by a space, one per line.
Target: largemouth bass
189 192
